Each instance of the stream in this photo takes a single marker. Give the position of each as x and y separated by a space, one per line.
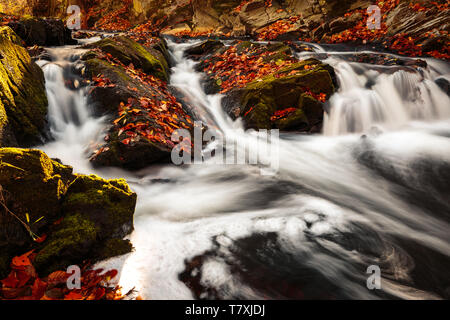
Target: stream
373 189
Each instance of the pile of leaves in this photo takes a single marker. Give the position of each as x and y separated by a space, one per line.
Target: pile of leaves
281 114
116 20
278 28
23 283
146 33
153 118
361 32
231 69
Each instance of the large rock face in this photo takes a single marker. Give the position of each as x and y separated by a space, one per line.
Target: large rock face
229 16
85 217
23 101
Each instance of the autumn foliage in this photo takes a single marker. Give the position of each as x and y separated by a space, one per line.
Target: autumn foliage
23 283
116 20
152 118
233 69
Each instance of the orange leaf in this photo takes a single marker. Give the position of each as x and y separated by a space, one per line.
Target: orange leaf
57 277
72 295
11 281
22 260
38 289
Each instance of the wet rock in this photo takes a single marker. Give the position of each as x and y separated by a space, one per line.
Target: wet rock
97 214
444 84
84 34
127 88
204 48
383 59
43 32
85 217
23 100
128 52
290 88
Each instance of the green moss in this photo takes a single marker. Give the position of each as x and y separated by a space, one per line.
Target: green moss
96 213
129 51
96 66
76 235
23 101
297 120
243 46
281 90
110 203
114 247
35 180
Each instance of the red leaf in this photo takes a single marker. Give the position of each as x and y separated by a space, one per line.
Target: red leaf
11 281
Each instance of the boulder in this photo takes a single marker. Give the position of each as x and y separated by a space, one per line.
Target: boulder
287 100
129 88
97 215
23 100
204 48
43 32
127 51
85 217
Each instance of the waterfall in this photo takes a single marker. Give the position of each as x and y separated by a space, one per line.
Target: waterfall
72 124
382 97
337 205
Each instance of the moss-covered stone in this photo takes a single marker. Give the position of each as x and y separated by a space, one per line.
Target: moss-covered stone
68 245
23 101
129 51
110 204
33 187
96 213
285 89
35 180
114 247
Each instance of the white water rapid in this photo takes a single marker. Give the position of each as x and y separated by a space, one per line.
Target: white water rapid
339 203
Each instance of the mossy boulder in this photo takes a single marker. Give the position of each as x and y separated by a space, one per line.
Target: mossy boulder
127 88
84 217
97 215
152 60
23 101
43 31
105 99
297 86
128 51
34 180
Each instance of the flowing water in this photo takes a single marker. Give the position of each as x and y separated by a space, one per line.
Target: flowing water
374 189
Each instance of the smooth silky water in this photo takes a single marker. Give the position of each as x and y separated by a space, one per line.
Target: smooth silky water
373 189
